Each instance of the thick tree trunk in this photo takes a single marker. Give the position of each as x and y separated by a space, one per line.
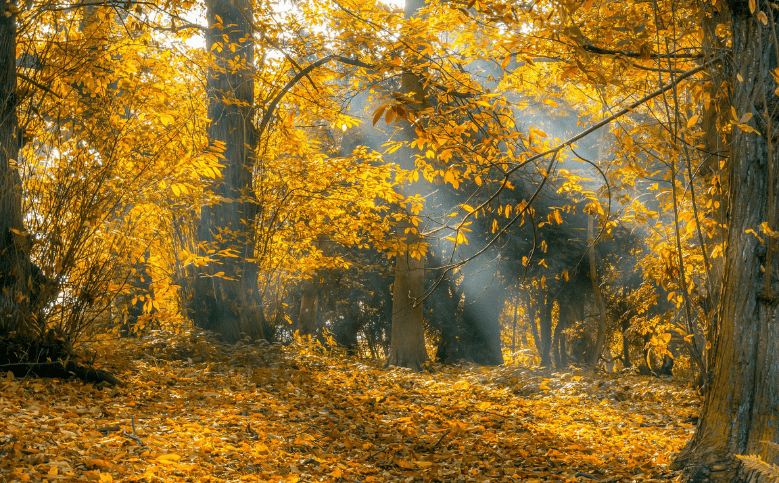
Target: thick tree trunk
26 345
19 311
309 297
407 347
309 307
739 414
229 303
716 148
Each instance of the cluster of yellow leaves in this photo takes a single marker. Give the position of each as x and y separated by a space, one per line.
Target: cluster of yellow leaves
193 409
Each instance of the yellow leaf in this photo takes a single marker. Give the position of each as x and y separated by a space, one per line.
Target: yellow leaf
746 117
168 457
762 17
748 128
424 464
378 113
505 62
752 6
462 384
691 122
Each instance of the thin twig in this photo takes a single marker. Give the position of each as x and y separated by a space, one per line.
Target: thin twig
432 448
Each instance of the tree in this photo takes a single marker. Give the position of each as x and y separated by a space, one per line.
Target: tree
225 295
19 307
407 346
739 411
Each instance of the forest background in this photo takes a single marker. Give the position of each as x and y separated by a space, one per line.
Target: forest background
552 183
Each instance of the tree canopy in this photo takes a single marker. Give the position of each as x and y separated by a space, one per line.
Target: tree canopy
552 182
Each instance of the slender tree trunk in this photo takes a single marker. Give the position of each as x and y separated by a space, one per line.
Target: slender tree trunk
739 413
533 313
545 329
407 347
229 303
626 344
514 327
558 342
600 339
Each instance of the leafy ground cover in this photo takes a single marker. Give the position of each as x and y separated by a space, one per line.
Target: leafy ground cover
193 410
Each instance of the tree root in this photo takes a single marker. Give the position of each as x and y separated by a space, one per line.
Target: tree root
60 370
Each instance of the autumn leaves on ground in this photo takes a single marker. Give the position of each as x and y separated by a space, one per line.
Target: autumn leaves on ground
259 412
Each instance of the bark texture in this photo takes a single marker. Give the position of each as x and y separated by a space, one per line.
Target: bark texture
740 410
17 308
230 304
600 337
407 347
27 346
545 331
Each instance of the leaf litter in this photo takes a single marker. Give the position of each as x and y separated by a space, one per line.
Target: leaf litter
195 410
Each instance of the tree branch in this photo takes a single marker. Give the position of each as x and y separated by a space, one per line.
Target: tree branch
304 73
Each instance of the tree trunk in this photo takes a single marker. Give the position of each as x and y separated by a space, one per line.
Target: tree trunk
545 322
229 303
26 346
514 327
309 297
407 347
626 344
532 315
18 307
309 307
739 413
716 148
601 336
558 342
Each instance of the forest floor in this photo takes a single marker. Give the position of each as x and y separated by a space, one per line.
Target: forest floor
193 410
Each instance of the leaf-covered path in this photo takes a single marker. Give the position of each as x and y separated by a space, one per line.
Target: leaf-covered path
260 413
